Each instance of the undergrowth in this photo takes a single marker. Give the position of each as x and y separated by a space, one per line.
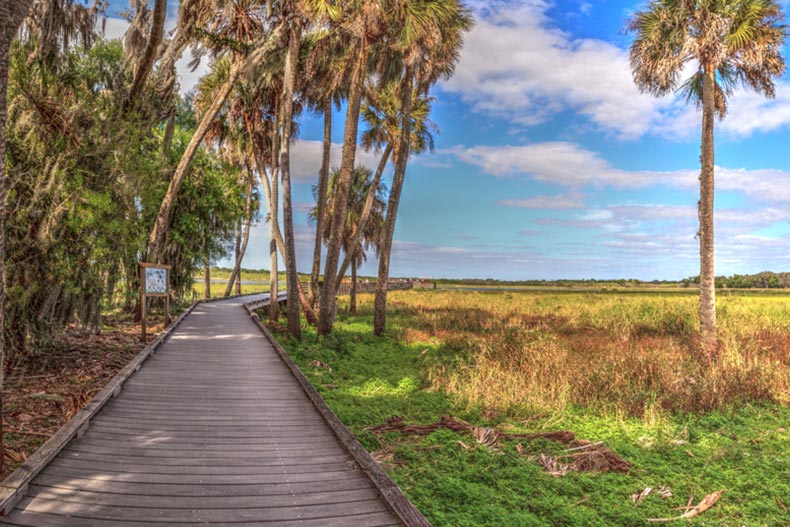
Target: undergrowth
611 369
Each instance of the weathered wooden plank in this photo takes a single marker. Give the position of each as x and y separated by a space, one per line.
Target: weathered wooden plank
277 467
349 482
193 479
295 460
33 519
203 502
169 515
202 454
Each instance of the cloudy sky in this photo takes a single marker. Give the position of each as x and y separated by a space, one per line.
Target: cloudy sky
551 164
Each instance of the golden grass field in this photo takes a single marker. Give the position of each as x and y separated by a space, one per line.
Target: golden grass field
634 353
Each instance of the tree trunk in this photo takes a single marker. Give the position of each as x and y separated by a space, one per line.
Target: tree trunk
236 251
270 190
401 158
707 284
352 304
363 219
207 277
147 62
12 13
5 44
241 247
170 129
292 279
276 241
158 235
323 180
326 313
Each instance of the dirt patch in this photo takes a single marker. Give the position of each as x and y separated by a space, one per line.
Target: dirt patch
52 385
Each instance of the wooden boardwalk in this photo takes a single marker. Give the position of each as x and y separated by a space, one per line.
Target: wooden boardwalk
214 429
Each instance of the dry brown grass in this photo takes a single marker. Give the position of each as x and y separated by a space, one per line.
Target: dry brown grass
630 353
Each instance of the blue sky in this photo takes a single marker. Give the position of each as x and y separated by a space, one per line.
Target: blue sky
551 164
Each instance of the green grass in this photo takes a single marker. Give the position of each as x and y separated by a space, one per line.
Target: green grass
739 448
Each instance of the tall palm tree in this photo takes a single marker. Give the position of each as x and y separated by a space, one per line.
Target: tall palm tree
358 236
381 113
286 117
428 37
731 43
364 23
327 62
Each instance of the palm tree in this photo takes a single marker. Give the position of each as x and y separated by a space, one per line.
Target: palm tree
428 37
249 44
364 24
286 118
731 42
327 62
382 113
358 236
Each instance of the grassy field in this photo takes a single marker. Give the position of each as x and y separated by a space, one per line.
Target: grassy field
609 367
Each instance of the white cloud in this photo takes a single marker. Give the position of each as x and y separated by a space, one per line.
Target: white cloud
556 202
564 163
306 159
516 64
567 164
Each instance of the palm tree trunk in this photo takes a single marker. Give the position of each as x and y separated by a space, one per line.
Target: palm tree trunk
158 235
352 304
363 219
707 304
241 246
271 193
401 158
292 279
207 277
12 13
236 251
326 312
147 62
323 179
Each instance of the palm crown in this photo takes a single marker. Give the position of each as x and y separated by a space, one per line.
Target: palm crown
740 40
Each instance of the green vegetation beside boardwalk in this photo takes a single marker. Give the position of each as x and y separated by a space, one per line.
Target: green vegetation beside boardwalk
607 367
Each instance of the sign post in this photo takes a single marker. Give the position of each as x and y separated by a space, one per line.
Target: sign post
154 280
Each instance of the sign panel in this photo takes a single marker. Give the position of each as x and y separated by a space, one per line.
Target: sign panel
155 281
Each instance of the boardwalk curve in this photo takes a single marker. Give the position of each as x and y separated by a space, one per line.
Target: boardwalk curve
214 429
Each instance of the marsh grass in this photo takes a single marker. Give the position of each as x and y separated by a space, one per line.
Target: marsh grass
631 353
608 367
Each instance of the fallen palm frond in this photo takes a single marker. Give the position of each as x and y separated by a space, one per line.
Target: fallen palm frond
483 435
706 503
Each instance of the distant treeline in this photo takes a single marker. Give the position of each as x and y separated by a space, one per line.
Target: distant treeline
592 282
763 280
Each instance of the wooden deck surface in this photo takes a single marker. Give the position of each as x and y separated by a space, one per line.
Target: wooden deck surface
213 430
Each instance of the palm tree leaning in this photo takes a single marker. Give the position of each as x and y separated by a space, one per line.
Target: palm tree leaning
734 42
428 36
358 235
